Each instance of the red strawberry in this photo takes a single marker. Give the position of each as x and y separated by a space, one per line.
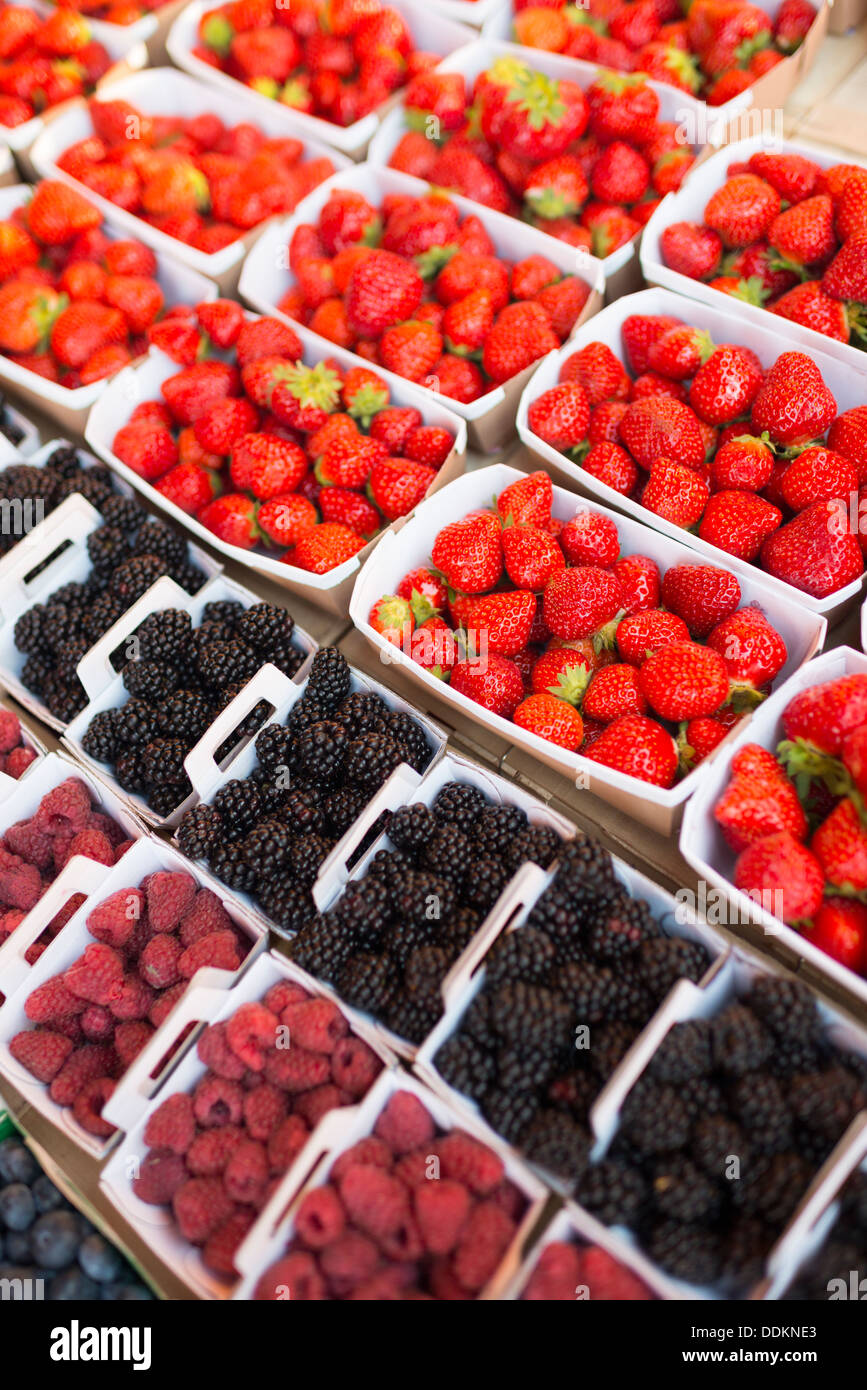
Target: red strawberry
638 747
599 373
639 332
792 175
383 289
760 800
398 485
232 518
684 680
839 929
428 444
322 548
640 634
752 649
285 517
222 320
697 739
815 552
739 523
794 405
561 415
590 538
824 714
469 552
811 307
500 623
192 392
425 591
147 448
742 210
83 329
690 249
675 493
224 424
680 352
565 671
267 465
495 684
744 462
433 647
782 875
531 555
840 845
392 618
817 475
612 466
725 387
659 426
189 486
300 396
846 276
581 601
700 594
621 107
528 501
639 580
551 719
614 692
848 436
521 335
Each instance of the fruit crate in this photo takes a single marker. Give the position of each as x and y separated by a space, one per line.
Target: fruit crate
268 1239
768 342
266 277
147 856
399 553
167 92
432 31
331 590
59 543
204 1006
575 1226
70 408
79 875
97 675
703 846
30 740
621 270
688 204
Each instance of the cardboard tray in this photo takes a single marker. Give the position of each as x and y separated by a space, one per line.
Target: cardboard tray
661 808
266 277
432 32
768 341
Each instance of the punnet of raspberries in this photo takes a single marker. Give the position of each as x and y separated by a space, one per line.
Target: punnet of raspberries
724 1131
587 955
843 1249
785 234
567 1270
306 463
716 51
752 458
588 166
793 817
177 683
336 59
192 177
418 288
408 1212
16 754
548 625
34 850
92 1020
215 1155
392 936
267 834
45 61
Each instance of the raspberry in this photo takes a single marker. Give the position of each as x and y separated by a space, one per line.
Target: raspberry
246 1172
318 1102
162 1006
12 919
441 1209
414 1168
388 1286
97 1023
129 1039
556 1276
405 1244
92 844
510 1198
134 999
10 730
30 843
482 1245
160 1176
169 896
97 975
468 1161
32 954
110 828
91 1062
41 1051
608 1279
316 1024
251 1033
354 1065
69 909
294 1277
172 1125
201 1206
374 1200
214 1050
87 1107
320 1218
220 1247
286 1143
140 937
64 808
348 1261
60 849
264 1111
369 1150
122 848
205 914
19 760
70 1028
218 949
211 1150
283 995
51 1001
404 1123
114 920
217 1101
158 962
20 882
294 1069
443 1284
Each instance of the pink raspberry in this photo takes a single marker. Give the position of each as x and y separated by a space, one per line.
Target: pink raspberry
354 1065
10 920
133 999
91 1062
211 1150
214 1050
172 1125
218 949
318 1102
348 1262
510 1197
414 1168
320 1218
65 808
114 920
404 1123
92 844
294 1277
374 1200
441 1209
20 882
609 1280
97 1023
30 843
18 761
158 962
162 1006
10 730
443 1284
246 1172
316 1024
217 1101
60 849
483 1243
130 1038
295 1070
286 1143
97 975
264 1111
469 1162
220 1247
87 1107
160 1176
387 1286
201 1206
556 1276
68 911
113 832
204 915
41 1051
169 896
251 1033
70 1028
283 995
121 849
52 1000
403 1245
369 1150
34 951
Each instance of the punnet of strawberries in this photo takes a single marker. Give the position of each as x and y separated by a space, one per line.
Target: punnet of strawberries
307 462
716 50
45 61
417 288
120 11
788 235
794 816
755 461
336 59
192 177
548 624
588 166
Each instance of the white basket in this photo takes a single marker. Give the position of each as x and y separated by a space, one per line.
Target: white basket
702 843
576 1226
399 553
768 340
431 33
30 740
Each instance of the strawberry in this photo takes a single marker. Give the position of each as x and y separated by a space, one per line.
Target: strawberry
465 272
760 800
28 313
224 425
700 594
793 175
364 394
428 444
556 188
621 107
561 415
639 332
639 634
590 538
599 373
823 715
348 460
392 618
528 114
222 320
266 338
744 462
739 523
612 466
500 623
620 175
743 210
147 448
684 680
392 426
846 276
811 307
350 508
322 548
138 297
726 385
468 321
398 485
658 426
383 289
817 475
848 436
301 397
753 651
426 593
565 671
815 552
56 213
611 228
189 486
458 378
178 339
782 875
851 203
691 249
614 692
17 249
266 465
804 233
552 719
192 392
521 334
839 928
286 517
680 352
697 739
531 555
840 845
494 683
433 647
637 747
793 404
640 582
581 601
82 329
675 493
232 518
793 22
411 349
469 552
528 501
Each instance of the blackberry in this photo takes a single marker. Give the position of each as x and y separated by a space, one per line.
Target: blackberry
556 1142
412 1018
590 990
100 737
165 636
425 969
342 808
306 857
150 680
162 761
367 982
389 866
584 861
92 487
466 1066
286 657
609 1044
304 713
411 827
689 1253
825 1102
362 712
273 747
531 1015
68 655
654 1118
716 1140
132 578
200 831
187 714
681 1191
107 547
303 812
65 701
613 1191
288 905
460 929
264 626
156 537
460 803
371 759
620 929
266 848
758 1103
128 772
28 632
225 611
169 796
35 673
496 828
476 1022
213 630
226 859
320 751
239 804
123 513
484 882
538 844
683 1054
777 1184
631 1001
321 948
665 960
520 1070
574 1092
411 737
226 663
73 595
793 1054
510 1114
363 910
555 915
400 942
103 613
447 852
138 723
422 899
61 623
27 483
785 1007
189 577
745 1248
526 955
740 1043
64 461
328 680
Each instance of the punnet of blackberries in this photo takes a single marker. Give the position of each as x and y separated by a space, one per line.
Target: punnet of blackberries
178 677
838 1269
393 934
34 490
268 834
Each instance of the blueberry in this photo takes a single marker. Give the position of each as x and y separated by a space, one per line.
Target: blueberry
55 1239
18 1247
99 1260
46 1196
16 1206
126 1293
17 1163
72 1286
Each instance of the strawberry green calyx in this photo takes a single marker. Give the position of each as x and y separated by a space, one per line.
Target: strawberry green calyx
266 87
429 263
744 697
295 93
508 72
424 122
577 16
751 291
791 267
685 750
571 683
704 344
217 33
44 309
604 637
805 764
856 315
750 47
367 402
422 608
392 617
538 98
684 67
551 203
317 386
